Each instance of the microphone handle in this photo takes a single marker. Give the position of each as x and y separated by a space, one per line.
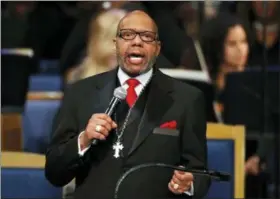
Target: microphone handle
109 111
112 106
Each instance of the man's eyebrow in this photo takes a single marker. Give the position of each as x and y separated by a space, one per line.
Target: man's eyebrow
138 30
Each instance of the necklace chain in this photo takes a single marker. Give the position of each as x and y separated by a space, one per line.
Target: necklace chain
120 134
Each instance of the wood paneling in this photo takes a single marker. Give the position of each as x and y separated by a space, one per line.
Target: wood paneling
22 160
44 95
11 132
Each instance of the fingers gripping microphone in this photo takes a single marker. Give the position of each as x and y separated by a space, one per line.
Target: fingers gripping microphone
119 94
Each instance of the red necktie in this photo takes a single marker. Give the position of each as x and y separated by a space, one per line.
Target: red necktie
131 94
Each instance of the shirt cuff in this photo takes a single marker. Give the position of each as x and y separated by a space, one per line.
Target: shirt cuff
191 191
81 152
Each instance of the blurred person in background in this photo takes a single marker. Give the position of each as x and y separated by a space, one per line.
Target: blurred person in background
15 23
262 160
39 27
101 55
75 47
189 16
271 19
262 15
49 26
225 43
254 13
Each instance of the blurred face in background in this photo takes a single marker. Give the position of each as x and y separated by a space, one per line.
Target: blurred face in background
136 43
236 48
271 17
271 36
258 8
103 31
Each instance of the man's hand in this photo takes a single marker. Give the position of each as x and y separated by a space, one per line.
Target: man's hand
98 127
180 182
252 165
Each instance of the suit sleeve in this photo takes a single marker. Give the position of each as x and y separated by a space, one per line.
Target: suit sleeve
265 147
194 143
62 158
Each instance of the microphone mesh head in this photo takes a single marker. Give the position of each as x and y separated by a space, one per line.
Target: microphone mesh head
120 93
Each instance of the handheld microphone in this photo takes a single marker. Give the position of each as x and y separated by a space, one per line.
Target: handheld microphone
119 94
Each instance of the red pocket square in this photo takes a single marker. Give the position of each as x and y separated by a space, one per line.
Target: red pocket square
171 125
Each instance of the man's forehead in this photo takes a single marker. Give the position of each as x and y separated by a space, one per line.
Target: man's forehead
138 21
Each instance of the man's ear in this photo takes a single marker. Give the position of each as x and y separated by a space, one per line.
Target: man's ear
158 47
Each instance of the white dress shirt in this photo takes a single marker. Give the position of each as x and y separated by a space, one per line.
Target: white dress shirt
123 77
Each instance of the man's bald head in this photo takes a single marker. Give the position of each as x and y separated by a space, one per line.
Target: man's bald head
137 44
138 15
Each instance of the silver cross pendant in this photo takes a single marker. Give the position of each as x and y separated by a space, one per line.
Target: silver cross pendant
118 147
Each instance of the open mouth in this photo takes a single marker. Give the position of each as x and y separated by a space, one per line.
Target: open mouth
135 58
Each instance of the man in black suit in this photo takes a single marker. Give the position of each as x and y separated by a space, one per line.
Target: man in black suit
153 100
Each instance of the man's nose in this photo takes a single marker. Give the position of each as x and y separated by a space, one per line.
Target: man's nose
137 40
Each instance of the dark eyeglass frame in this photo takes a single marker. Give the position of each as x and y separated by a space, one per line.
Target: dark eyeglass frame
140 33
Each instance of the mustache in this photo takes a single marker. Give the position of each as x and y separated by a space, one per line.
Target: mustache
150 64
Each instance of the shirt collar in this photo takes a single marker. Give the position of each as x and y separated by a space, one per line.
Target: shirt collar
143 78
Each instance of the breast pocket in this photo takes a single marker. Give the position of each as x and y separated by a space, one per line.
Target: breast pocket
163 146
166 131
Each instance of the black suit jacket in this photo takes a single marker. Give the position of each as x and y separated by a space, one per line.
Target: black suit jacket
168 100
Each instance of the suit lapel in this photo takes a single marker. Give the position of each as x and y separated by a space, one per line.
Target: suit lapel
133 116
105 88
157 104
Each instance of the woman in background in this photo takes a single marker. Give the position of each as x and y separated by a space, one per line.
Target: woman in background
100 54
226 48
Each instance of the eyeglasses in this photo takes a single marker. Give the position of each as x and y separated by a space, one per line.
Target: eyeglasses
129 34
